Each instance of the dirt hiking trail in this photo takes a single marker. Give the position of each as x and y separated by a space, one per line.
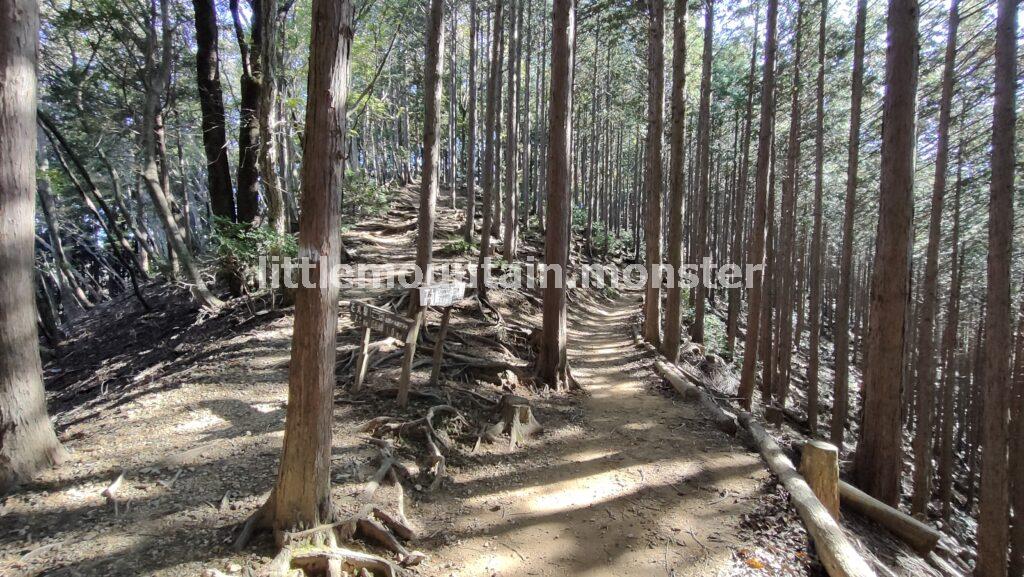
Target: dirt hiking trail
642 485
625 480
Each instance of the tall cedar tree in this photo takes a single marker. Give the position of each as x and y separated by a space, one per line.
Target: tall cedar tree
471 128
817 242
27 440
432 71
553 364
925 388
677 181
653 172
490 145
846 282
247 202
755 253
704 168
301 497
211 104
994 514
879 455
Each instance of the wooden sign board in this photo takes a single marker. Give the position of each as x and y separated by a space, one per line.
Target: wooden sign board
380 320
441 295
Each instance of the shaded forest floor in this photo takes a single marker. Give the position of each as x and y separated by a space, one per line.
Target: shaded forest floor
625 480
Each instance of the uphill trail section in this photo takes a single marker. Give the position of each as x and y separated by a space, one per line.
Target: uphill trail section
640 484
625 480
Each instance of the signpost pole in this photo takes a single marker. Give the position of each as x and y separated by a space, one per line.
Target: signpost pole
435 371
364 359
407 360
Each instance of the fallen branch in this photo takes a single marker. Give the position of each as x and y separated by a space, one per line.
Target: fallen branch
724 420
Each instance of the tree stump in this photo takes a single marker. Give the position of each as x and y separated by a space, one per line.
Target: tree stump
819 465
517 421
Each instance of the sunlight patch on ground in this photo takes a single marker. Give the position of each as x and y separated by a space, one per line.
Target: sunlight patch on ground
202 420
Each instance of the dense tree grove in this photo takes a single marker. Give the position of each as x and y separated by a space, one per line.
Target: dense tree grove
864 154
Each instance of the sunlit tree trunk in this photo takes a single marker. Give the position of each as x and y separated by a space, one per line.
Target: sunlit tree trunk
511 197
755 253
471 132
677 182
553 366
704 171
740 221
27 440
653 170
843 300
817 243
786 243
878 460
491 144
432 71
157 69
301 497
994 505
923 433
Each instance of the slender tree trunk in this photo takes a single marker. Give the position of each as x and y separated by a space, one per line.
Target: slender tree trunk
842 328
755 254
784 257
471 132
740 221
432 72
491 145
993 518
653 172
677 183
949 347
247 203
553 366
817 243
511 198
924 433
27 440
211 103
301 497
73 299
527 134
703 172
879 453
272 189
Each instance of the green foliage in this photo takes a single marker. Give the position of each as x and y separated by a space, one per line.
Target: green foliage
457 247
364 196
239 246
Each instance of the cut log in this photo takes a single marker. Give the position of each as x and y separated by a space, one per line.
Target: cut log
819 464
919 536
836 552
724 420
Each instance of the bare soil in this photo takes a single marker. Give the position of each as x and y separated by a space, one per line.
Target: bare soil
625 479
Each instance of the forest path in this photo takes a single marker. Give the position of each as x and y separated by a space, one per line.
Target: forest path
644 486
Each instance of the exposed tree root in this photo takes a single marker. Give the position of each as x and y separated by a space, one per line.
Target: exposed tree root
424 426
483 303
315 551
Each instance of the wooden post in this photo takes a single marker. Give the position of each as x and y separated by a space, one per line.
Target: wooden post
410 354
435 372
363 361
819 464
837 554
